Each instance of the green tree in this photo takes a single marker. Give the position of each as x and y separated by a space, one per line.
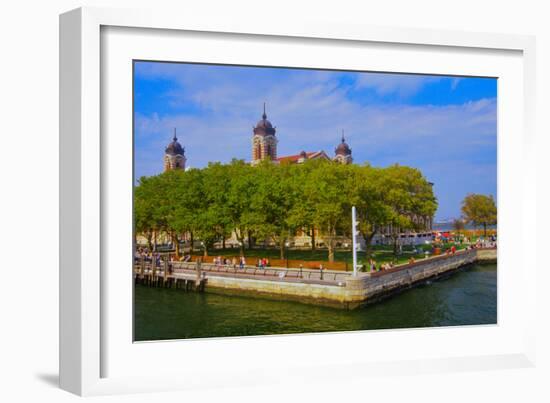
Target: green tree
154 209
145 201
410 197
329 187
272 202
186 192
458 225
168 211
214 222
480 209
301 215
242 185
370 189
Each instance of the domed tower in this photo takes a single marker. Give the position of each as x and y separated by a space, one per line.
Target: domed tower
264 142
343 152
174 155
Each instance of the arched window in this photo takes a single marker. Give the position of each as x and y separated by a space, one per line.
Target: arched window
269 150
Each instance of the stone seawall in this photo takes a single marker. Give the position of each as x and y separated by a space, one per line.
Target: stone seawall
371 288
319 294
487 255
354 291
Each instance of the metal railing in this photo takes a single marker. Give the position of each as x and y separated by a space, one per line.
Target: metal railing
332 277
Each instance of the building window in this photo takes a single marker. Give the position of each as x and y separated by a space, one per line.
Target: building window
258 151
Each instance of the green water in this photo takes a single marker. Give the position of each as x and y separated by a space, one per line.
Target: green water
468 297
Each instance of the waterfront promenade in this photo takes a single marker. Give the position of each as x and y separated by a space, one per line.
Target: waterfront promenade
325 287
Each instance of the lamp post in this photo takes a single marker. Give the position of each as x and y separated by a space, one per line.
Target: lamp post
287 244
354 233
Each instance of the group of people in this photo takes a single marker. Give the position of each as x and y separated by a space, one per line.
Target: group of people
240 262
387 266
263 263
490 242
147 255
451 250
482 244
156 257
384 266
220 261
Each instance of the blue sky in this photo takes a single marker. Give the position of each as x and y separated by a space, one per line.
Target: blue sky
445 126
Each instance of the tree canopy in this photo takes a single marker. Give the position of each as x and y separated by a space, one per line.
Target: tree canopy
479 209
275 201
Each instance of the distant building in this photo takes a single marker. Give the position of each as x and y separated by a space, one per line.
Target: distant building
343 152
264 147
264 142
174 155
302 157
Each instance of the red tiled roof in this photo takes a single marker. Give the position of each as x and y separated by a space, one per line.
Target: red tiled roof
296 157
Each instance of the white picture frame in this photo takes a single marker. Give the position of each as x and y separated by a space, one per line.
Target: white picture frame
88 314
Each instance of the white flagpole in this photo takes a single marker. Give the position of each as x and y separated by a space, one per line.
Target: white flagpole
353 237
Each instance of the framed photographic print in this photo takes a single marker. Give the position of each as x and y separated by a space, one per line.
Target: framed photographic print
247 219
236 199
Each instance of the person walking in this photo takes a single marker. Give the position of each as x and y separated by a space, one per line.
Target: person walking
171 260
373 265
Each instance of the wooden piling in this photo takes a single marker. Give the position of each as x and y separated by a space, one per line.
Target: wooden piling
153 270
166 263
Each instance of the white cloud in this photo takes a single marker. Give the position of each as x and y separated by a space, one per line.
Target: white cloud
312 122
309 111
404 85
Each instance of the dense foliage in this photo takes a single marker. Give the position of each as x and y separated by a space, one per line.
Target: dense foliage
480 209
274 201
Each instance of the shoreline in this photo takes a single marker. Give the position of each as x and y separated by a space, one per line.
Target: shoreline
333 289
335 304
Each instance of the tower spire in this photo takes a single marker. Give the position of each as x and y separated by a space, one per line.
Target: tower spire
264 116
174 155
343 139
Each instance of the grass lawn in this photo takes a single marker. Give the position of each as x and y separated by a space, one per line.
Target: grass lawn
381 254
